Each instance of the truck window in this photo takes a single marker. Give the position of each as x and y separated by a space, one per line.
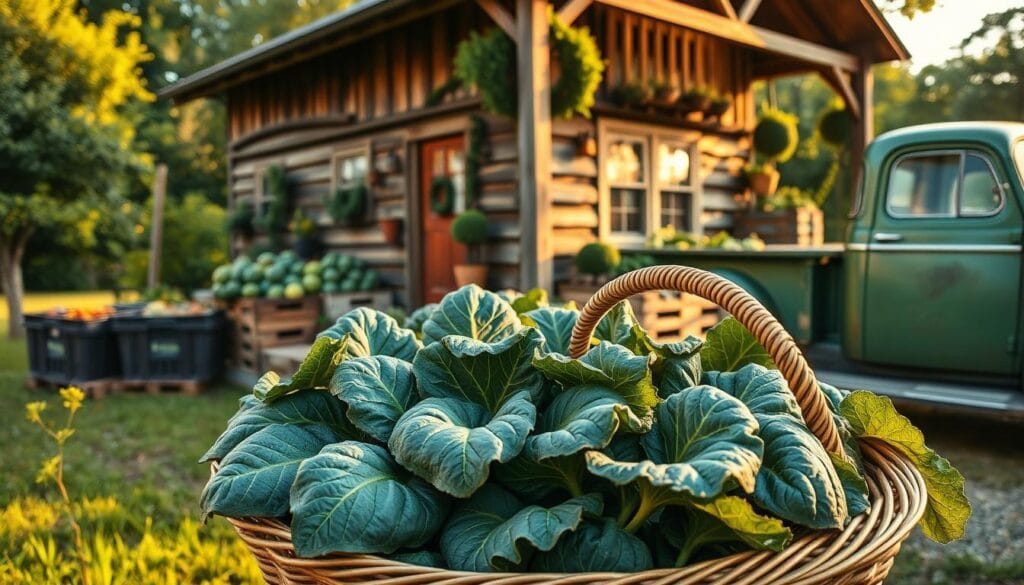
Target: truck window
924 185
981 193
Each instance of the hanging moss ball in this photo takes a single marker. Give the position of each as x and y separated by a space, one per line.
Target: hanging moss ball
470 228
597 258
834 127
775 136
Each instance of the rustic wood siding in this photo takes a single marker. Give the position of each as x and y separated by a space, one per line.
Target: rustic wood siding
574 197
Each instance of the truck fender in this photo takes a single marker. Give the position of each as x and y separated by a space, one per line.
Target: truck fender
749 284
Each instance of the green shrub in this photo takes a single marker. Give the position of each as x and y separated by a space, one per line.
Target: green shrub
834 127
597 258
470 228
775 136
240 219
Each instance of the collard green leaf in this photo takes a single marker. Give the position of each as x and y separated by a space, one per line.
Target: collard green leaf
704 442
415 321
676 366
370 332
946 514
596 546
451 443
423 558
723 520
797 480
493 531
481 373
615 326
555 325
301 408
353 497
730 346
472 312
533 299
254 478
314 372
582 417
608 365
378 391
858 498
534 479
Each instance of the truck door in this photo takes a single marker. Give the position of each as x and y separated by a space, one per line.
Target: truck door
943 264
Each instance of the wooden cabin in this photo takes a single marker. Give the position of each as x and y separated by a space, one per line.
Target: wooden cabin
346 99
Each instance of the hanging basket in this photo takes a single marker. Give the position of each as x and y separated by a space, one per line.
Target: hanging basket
862 553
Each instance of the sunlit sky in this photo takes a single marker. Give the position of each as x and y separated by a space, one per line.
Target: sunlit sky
934 37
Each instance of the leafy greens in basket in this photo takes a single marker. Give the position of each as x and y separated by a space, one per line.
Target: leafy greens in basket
467 438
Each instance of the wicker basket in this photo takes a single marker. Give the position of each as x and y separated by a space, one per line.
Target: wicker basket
861 553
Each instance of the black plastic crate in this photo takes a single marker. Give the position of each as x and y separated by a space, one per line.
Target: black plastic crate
68 351
171 348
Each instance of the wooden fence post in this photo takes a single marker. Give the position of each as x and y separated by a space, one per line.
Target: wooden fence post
156 230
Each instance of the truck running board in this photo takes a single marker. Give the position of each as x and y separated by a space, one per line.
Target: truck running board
986 400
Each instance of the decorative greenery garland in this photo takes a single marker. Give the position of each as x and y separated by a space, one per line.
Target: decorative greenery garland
488 62
442 195
273 220
348 203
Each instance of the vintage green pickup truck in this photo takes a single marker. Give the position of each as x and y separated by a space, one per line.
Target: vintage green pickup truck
923 301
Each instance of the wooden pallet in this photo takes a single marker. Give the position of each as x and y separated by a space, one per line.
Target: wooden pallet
259 324
803 226
337 304
666 315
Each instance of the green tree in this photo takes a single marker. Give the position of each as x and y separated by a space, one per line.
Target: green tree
63 85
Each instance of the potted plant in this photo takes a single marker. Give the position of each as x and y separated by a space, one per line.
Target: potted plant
775 140
470 230
695 99
631 95
240 221
596 262
307 245
390 223
720 104
663 93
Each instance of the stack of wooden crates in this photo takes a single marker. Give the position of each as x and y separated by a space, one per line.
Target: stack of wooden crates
666 315
259 324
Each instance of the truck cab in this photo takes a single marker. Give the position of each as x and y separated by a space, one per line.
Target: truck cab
932 269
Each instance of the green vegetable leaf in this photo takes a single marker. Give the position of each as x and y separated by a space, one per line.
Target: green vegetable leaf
722 520
472 312
254 478
314 372
493 531
482 373
608 365
730 346
533 299
415 321
555 325
797 480
451 443
703 443
353 498
946 514
855 487
302 408
378 390
615 326
423 558
534 479
372 332
596 546
677 365
582 417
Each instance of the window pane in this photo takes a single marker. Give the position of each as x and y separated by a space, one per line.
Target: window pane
981 194
351 169
673 164
627 210
625 162
675 211
924 185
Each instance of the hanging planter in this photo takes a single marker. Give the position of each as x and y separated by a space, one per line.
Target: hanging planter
442 195
391 227
348 204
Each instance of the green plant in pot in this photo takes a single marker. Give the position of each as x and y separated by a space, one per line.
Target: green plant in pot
390 222
834 130
720 104
631 94
775 141
597 259
240 221
695 99
470 230
663 93
307 245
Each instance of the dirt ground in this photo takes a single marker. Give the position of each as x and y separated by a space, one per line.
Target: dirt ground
990 454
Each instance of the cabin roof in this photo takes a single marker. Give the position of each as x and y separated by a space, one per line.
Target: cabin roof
846 24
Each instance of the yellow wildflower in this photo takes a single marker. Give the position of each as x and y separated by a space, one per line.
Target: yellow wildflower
33 410
73 397
64 435
49 469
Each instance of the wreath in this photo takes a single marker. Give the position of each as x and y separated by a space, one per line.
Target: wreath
488 62
348 203
442 195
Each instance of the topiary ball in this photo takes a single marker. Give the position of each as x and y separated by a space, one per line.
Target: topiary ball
597 258
834 127
470 228
775 136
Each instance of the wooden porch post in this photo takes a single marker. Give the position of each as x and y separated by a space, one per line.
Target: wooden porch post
863 82
536 264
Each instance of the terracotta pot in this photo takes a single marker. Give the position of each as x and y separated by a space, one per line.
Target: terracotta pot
764 182
392 229
471 274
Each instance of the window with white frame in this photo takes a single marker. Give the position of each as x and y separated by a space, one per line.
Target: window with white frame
674 185
350 168
626 172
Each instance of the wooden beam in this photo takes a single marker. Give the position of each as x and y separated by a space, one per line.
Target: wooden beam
725 7
572 10
500 16
748 9
738 32
536 263
839 82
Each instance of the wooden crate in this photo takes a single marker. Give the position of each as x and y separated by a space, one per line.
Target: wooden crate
337 304
803 226
285 359
666 315
258 324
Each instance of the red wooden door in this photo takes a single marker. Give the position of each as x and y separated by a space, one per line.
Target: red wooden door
443 157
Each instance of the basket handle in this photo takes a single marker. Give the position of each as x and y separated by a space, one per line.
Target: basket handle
745 308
